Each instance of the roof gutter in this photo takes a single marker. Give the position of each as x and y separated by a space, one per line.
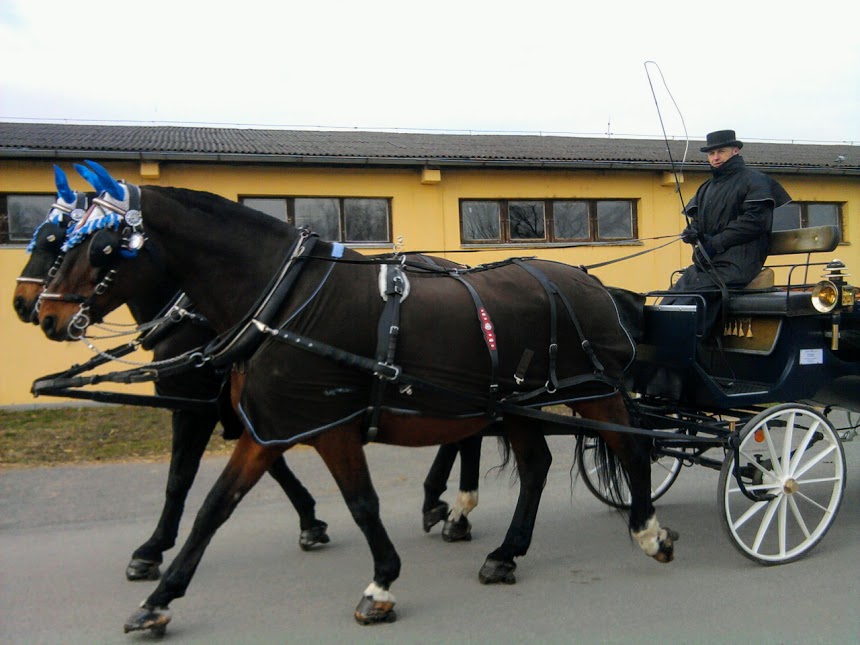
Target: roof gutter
416 162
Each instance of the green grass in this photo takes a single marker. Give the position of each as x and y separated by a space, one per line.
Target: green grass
88 434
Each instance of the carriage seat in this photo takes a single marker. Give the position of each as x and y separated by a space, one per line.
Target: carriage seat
769 301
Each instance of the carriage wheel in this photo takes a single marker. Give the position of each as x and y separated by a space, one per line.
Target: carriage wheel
791 456
664 472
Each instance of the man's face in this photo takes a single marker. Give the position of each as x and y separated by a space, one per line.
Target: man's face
721 155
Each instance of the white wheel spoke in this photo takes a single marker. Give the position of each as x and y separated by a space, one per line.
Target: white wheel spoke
772 507
795 511
774 457
813 502
801 449
786 440
812 462
781 526
660 464
752 462
819 480
750 512
756 487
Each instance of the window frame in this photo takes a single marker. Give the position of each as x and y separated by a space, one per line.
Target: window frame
290 206
804 214
549 238
5 223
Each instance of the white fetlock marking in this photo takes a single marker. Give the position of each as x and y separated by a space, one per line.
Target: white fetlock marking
651 537
465 502
378 593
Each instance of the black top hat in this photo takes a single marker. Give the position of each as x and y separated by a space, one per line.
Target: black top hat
722 139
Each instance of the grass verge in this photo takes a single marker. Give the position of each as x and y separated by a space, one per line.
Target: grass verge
52 436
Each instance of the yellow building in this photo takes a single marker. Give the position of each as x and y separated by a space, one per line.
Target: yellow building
583 201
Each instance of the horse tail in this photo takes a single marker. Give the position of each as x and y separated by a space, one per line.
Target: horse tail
611 476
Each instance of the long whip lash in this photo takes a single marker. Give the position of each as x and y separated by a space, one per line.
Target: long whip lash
665 137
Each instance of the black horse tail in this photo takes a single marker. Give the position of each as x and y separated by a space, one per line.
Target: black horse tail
612 478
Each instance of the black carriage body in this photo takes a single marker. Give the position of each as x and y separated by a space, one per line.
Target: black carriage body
773 346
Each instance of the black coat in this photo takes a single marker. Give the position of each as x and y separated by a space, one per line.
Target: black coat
734 210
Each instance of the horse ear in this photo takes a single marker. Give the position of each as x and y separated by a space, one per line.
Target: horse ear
64 192
90 176
108 183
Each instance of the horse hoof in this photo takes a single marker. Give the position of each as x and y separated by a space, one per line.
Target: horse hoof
154 619
497 571
139 569
457 531
314 536
434 516
370 611
666 553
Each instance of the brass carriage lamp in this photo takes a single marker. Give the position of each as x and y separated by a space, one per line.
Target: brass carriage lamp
832 295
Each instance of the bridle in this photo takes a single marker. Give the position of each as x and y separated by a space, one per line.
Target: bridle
104 214
63 215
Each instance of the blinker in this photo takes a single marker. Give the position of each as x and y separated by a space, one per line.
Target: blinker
102 248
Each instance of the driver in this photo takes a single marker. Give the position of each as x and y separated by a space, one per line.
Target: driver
730 219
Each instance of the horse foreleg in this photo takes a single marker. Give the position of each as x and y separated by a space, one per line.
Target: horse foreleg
244 469
342 451
191 433
634 454
313 530
533 460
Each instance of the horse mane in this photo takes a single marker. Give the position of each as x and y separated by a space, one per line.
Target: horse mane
216 206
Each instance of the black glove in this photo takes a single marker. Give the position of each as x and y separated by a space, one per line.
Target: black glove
690 234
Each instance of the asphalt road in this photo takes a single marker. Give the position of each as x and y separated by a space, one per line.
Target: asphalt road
66 534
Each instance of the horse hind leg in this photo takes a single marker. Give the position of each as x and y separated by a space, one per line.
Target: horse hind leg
341 450
457 527
313 530
533 459
633 452
435 509
246 465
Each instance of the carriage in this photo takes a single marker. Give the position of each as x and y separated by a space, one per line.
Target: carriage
758 390
741 400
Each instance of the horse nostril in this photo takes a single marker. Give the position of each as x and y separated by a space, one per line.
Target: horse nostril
49 324
18 304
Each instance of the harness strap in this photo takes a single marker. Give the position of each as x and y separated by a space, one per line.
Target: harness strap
393 373
242 341
388 331
552 290
489 334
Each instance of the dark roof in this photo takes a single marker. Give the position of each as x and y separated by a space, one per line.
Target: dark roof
249 145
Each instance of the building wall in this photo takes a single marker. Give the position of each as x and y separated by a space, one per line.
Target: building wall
425 215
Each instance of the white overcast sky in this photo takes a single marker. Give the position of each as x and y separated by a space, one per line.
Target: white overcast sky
770 70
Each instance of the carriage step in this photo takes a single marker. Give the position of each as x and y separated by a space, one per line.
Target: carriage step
736 387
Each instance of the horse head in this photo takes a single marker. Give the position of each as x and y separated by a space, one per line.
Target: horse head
101 267
45 245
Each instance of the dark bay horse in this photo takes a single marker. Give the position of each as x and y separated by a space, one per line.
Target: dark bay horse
342 348
192 427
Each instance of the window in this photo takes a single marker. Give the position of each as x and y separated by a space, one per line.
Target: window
20 215
510 221
806 214
358 220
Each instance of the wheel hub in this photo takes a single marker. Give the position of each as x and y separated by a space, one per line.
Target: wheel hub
790 486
